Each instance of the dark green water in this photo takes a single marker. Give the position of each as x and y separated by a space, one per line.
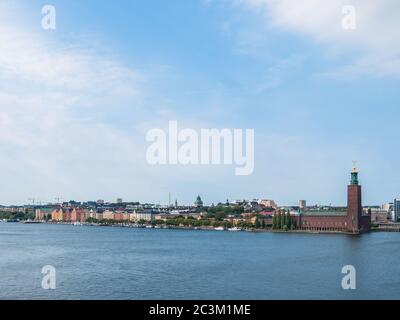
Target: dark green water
122 263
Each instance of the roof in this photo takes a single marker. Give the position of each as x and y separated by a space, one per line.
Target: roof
324 213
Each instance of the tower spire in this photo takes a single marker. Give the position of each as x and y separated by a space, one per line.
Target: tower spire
354 166
354 174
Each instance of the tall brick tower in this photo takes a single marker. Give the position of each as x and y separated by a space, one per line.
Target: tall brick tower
354 205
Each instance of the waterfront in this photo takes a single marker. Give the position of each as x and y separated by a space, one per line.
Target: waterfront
130 263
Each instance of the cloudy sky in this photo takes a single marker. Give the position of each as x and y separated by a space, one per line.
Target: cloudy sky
76 102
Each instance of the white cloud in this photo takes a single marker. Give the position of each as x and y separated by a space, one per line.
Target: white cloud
31 58
61 104
372 48
48 143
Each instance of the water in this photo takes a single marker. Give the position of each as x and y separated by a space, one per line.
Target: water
124 263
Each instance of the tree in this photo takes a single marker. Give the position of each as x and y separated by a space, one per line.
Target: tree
281 220
220 215
288 220
274 224
285 219
278 220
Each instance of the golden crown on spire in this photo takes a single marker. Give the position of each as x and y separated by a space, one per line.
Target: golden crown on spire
354 166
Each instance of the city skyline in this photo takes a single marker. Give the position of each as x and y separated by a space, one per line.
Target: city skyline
76 102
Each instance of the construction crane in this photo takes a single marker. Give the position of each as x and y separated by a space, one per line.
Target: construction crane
58 200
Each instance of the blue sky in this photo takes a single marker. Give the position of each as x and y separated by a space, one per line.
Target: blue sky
76 103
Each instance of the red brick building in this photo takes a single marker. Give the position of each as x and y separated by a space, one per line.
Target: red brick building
78 215
353 220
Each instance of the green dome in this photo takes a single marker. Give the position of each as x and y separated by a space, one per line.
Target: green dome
198 202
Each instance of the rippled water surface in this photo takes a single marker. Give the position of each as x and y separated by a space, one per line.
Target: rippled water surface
125 263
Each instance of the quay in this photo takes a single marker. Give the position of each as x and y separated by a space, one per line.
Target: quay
388 227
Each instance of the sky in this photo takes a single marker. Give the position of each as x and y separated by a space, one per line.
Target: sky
76 102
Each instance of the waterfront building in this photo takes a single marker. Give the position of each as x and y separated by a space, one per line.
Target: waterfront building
378 215
266 219
118 216
235 220
396 206
42 213
125 216
145 214
62 214
75 216
57 215
90 214
108 215
68 215
351 219
78 215
119 201
163 216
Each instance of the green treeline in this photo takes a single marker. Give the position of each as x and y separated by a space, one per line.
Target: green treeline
283 221
221 212
27 215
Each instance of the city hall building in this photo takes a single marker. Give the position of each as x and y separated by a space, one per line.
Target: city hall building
351 220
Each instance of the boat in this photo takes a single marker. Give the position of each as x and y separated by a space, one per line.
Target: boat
149 227
31 221
234 229
219 228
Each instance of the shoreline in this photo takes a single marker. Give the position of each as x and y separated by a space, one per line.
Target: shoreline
376 229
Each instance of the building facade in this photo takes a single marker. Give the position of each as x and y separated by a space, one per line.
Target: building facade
396 206
268 203
302 204
142 215
378 215
68 215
